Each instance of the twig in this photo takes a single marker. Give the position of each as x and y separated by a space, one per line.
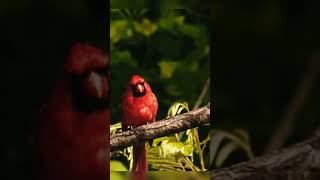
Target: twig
300 161
182 122
286 125
201 96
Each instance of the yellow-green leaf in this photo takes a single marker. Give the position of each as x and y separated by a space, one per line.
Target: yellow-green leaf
176 108
179 20
159 140
146 27
174 147
118 30
117 166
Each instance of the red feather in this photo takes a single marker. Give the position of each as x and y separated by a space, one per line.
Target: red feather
139 106
74 123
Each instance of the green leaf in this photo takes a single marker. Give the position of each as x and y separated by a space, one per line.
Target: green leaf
171 148
118 30
179 20
169 162
146 27
117 166
167 24
116 175
225 151
176 108
159 140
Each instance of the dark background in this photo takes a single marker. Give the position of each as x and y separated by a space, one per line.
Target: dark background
261 53
36 37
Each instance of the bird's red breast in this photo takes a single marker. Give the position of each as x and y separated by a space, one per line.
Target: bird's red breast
138 104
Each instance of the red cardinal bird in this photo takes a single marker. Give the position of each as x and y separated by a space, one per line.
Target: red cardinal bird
139 106
74 123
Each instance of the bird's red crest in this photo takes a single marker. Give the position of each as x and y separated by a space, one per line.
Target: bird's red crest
84 57
136 79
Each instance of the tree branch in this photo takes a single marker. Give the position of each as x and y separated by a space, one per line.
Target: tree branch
300 161
182 122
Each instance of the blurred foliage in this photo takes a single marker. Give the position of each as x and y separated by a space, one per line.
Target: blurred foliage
170 51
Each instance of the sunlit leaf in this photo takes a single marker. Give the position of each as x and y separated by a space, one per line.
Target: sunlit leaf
174 109
118 29
117 166
146 27
114 128
159 140
160 162
180 109
170 146
174 147
114 175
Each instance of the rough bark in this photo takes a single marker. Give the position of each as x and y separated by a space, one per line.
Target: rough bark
300 161
192 119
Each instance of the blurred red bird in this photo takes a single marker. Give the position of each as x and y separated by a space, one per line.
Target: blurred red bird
73 136
138 106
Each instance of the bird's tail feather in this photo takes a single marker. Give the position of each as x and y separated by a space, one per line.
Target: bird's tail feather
140 166
139 158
